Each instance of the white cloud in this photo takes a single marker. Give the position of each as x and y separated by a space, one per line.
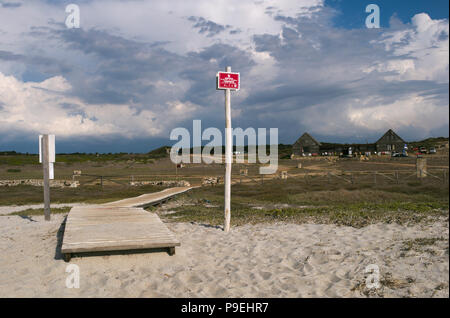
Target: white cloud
422 50
157 20
46 107
412 111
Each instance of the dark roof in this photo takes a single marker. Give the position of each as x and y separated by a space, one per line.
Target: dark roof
306 135
391 133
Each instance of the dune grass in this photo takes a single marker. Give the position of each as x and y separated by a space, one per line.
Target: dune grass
293 202
27 194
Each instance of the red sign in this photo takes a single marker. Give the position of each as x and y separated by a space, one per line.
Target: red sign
228 81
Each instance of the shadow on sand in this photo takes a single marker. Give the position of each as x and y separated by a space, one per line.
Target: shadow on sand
59 240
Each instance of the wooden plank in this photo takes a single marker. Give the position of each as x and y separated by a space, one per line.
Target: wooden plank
118 226
149 198
100 232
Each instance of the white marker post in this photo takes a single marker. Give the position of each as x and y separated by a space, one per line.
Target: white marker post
228 81
47 158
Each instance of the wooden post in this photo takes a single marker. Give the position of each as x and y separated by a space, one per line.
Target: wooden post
421 167
45 164
396 176
228 157
375 177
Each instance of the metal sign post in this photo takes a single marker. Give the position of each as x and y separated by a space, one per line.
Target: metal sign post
47 158
228 81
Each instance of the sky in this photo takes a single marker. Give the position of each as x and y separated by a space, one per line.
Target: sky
137 69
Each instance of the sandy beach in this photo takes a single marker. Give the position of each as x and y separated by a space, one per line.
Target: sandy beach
264 260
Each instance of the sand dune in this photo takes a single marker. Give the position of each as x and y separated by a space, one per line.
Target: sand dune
266 260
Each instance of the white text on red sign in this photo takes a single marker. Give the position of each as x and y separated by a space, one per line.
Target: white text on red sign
228 81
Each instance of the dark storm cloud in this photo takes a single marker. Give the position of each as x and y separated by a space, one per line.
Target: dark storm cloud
207 27
205 64
9 56
128 70
299 96
42 64
125 69
11 5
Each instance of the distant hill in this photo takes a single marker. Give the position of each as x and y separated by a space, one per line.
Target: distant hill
284 151
429 142
9 153
161 152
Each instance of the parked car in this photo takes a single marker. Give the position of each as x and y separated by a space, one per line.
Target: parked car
423 150
402 155
432 150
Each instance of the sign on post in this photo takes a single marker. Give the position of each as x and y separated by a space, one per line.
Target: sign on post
51 154
228 81
47 158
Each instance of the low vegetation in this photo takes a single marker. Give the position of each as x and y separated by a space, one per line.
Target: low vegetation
7 158
27 194
298 199
342 205
422 244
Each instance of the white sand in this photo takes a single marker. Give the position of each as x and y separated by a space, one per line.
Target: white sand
266 260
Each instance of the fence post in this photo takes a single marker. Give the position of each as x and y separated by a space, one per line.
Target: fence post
396 176
375 177
421 167
46 180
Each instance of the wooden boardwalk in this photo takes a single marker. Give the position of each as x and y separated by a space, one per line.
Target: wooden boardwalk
119 226
148 199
